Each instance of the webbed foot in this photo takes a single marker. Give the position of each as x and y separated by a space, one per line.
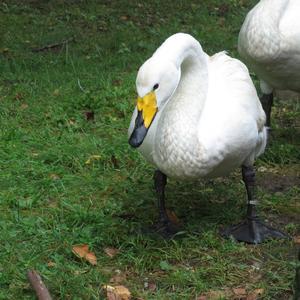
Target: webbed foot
252 231
166 228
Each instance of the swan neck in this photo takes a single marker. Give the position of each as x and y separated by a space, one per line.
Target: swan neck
190 94
177 134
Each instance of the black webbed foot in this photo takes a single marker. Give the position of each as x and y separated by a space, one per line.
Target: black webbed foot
252 231
166 228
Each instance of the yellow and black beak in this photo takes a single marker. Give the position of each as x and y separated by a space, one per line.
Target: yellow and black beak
147 109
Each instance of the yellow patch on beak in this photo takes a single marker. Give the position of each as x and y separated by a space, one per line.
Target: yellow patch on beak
148 106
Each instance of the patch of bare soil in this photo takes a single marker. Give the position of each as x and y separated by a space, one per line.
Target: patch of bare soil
278 182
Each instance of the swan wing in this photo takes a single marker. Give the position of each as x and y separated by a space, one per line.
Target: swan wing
231 127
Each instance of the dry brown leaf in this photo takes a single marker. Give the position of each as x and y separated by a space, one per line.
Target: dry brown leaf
51 264
259 291
202 297
124 18
239 291
24 106
71 122
54 176
56 92
297 239
82 251
255 294
91 258
172 216
152 286
111 252
119 292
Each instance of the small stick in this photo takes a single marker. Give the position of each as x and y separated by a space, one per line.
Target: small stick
38 285
80 86
51 46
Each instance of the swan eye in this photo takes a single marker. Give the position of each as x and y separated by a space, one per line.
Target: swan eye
155 86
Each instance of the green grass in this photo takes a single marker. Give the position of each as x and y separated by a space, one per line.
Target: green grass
51 199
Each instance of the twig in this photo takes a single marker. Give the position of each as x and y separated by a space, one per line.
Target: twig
80 86
38 285
52 46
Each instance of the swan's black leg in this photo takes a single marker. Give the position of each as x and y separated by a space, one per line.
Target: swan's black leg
252 230
267 103
164 226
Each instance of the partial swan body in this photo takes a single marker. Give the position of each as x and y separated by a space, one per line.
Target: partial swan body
197 115
269 43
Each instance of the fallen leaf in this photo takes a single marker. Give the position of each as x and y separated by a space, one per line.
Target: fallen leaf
91 258
92 158
297 239
4 50
202 297
118 292
124 18
82 251
24 106
111 252
56 92
71 122
172 216
51 264
54 176
152 286
239 291
255 294
262 169
259 291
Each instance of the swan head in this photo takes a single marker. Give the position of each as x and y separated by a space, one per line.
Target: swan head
156 81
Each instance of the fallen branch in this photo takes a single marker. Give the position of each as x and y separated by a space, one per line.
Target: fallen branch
38 285
52 46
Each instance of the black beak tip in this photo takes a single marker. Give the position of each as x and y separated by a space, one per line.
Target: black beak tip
134 142
139 132
138 135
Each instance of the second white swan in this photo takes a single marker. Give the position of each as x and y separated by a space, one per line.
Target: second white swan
269 43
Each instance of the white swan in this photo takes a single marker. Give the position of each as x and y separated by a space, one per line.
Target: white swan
269 42
199 116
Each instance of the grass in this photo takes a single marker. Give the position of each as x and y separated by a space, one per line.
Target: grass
65 180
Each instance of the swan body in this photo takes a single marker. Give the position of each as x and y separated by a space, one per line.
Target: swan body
269 43
209 119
